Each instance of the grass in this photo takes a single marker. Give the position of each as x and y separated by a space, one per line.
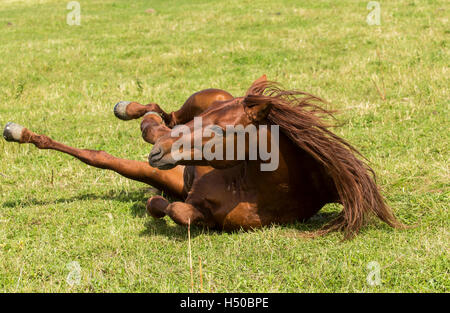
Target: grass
389 81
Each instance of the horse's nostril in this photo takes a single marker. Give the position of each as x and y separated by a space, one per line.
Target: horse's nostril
155 151
156 154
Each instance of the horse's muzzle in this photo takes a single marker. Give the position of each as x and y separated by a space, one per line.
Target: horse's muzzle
157 158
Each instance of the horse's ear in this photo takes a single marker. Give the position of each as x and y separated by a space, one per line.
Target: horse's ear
257 107
261 79
258 86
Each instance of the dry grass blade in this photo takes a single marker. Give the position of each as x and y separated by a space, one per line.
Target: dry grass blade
190 255
200 273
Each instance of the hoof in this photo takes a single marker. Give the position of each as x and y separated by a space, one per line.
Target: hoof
120 110
13 132
156 206
157 114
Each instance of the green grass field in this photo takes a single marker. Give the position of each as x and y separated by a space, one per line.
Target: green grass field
390 82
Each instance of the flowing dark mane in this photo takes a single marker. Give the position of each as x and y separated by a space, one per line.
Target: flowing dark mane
300 118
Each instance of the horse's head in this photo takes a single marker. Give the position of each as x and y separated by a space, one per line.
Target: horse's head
223 135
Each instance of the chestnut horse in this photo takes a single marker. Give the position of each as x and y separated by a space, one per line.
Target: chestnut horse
315 166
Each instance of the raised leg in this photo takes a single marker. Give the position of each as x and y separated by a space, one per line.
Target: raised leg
126 110
170 181
152 127
194 105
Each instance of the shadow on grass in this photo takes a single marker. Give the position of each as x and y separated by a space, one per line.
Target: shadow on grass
137 197
176 232
160 227
315 223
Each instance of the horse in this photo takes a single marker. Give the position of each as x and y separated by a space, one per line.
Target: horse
315 166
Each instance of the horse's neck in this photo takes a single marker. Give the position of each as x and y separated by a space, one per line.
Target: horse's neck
297 172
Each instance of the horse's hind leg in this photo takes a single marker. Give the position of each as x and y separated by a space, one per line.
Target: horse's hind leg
194 105
170 181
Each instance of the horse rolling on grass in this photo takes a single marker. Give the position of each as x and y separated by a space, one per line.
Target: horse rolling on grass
315 166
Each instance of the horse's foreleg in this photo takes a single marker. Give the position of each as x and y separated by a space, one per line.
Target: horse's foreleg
153 127
125 110
184 214
170 180
156 206
180 212
193 106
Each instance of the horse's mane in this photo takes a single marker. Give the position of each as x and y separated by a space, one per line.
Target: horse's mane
300 118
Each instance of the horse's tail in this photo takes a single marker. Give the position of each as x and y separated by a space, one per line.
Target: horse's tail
360 198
